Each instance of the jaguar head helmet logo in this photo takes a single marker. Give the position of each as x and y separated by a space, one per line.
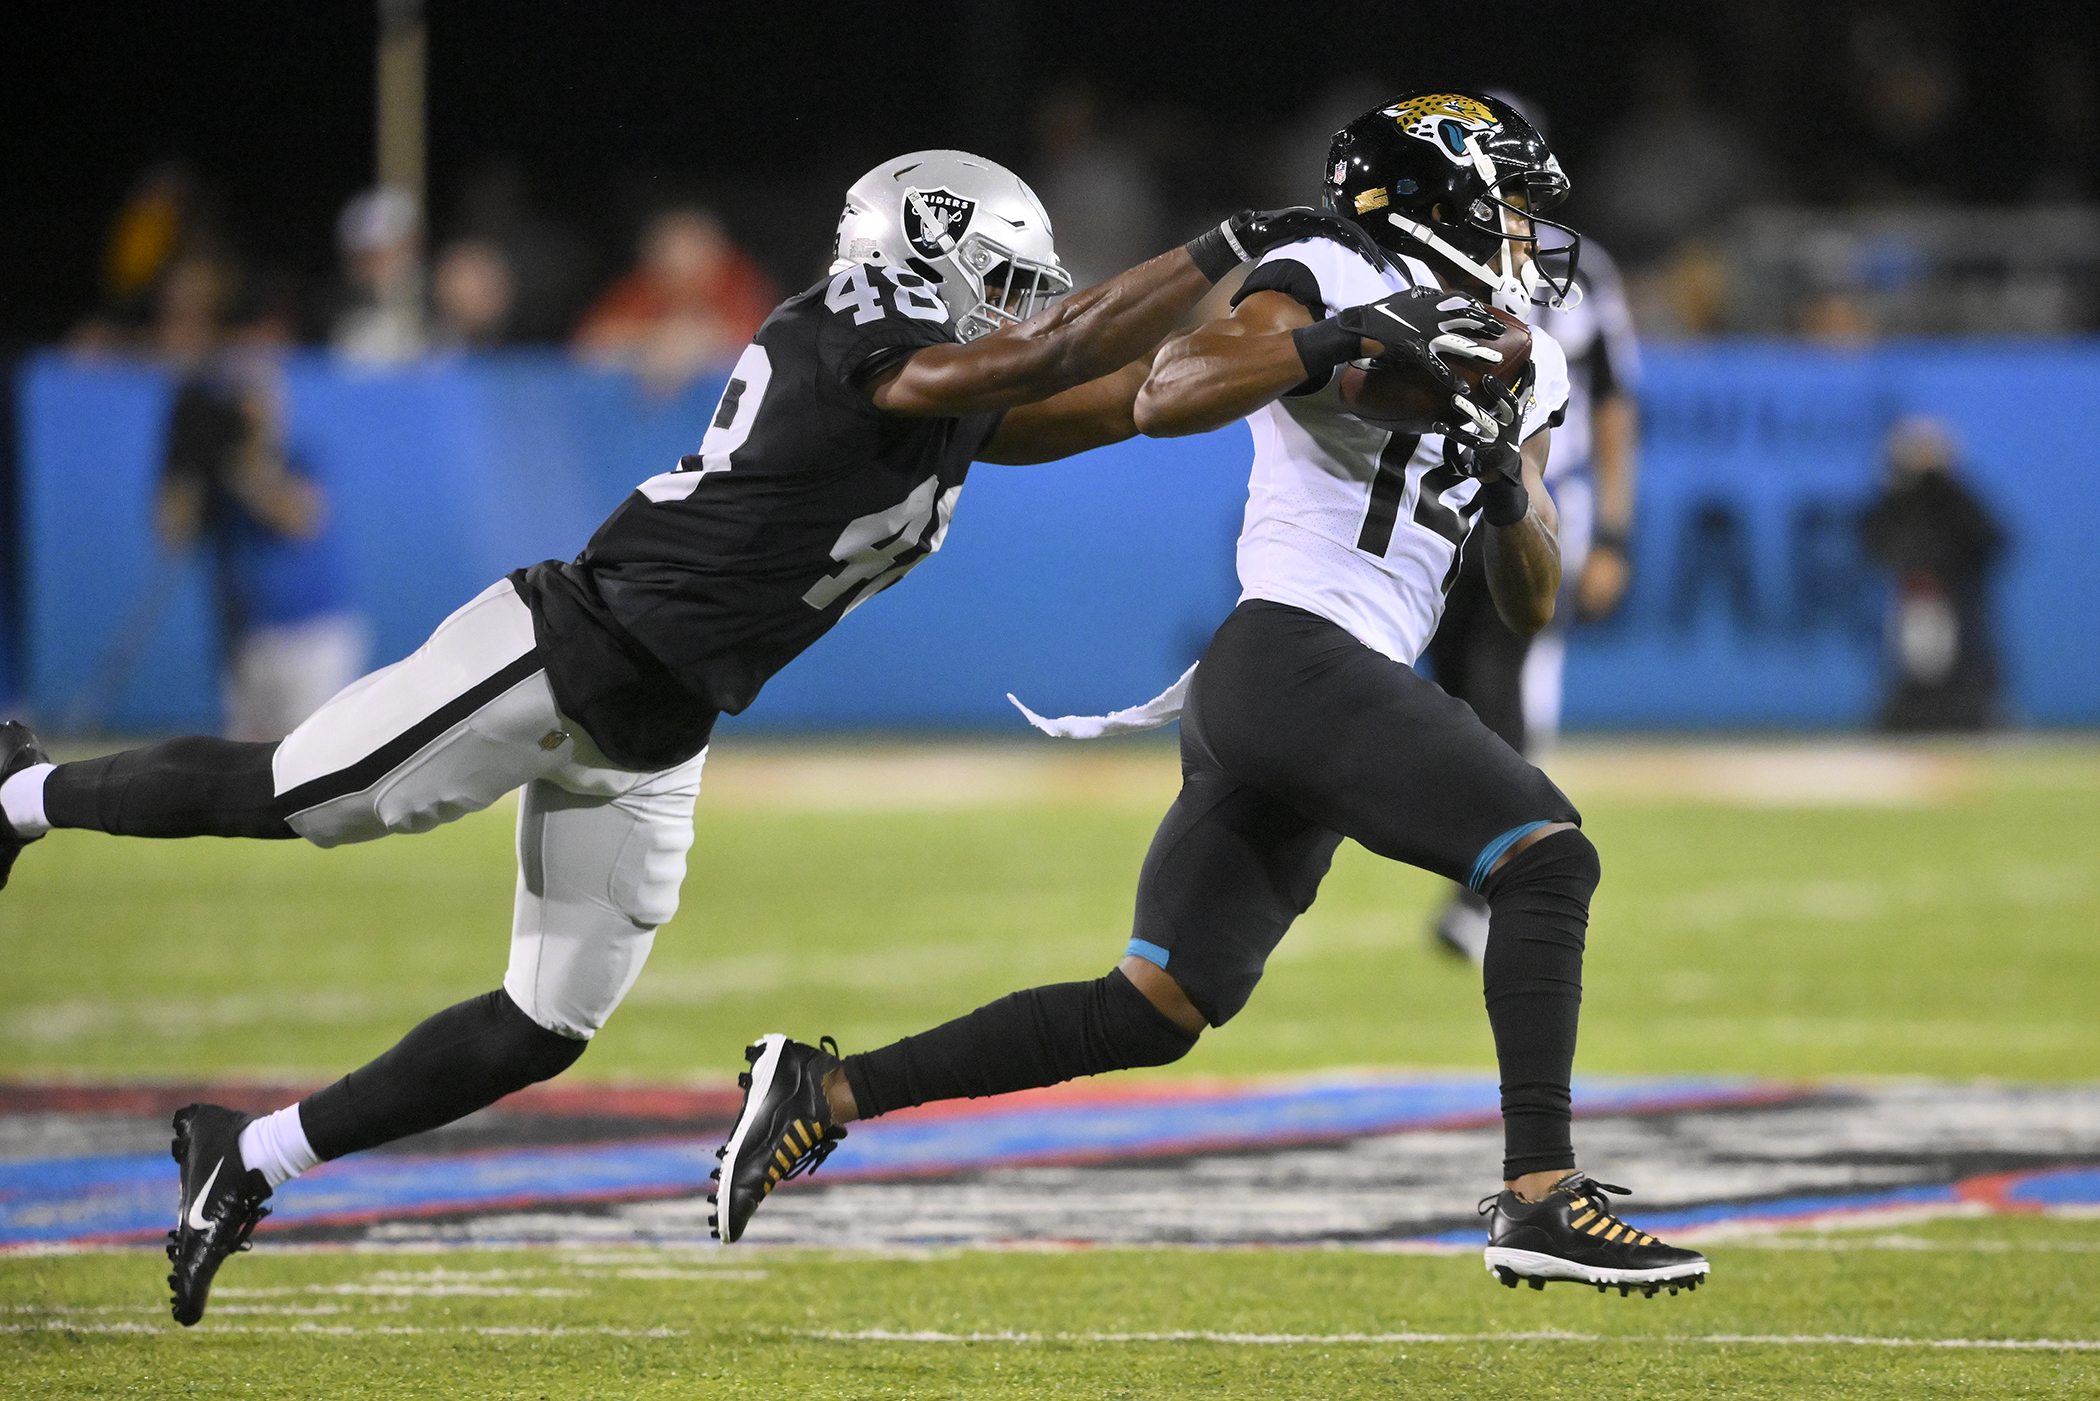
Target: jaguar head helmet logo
1447 121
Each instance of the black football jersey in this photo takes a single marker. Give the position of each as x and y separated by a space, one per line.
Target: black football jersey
803 502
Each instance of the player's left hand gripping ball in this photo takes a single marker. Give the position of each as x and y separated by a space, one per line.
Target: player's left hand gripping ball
783 1130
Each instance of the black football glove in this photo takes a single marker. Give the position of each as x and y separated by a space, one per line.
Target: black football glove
1489 444
1420 326
1488 425
1252 232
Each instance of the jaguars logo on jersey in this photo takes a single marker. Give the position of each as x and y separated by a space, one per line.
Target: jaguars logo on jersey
1445 120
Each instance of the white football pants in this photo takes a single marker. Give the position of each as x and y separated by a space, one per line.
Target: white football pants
449 730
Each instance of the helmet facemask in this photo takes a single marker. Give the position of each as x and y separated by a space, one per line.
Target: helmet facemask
985 284
1506 215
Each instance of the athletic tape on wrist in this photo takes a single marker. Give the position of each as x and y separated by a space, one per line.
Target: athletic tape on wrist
1216 251
1504 501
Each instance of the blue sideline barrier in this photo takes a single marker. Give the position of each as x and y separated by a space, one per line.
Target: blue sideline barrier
1087 584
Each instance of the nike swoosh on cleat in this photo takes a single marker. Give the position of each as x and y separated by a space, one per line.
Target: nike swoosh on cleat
196 1221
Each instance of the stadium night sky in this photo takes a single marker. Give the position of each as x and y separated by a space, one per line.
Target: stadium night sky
273 103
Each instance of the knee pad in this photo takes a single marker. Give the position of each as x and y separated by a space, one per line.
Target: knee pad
1139 1033
1544 892
1565 863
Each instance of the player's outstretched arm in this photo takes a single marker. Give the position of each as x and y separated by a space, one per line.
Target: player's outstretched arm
1271 343
1225 369
1087 335
1523 557
1094 332
1093 415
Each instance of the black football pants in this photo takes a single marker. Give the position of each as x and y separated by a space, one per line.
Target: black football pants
1296 735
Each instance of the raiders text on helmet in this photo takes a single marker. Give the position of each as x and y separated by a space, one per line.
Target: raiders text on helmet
1464 176
967 225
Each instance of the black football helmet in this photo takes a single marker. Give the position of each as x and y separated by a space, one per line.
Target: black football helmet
1443 172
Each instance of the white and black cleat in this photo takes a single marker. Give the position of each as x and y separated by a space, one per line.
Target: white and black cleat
222 1200
1571 1234
783 1130
18 750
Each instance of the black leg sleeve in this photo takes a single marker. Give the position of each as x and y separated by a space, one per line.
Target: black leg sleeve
1533 981
189 787
463 1059
1042 1036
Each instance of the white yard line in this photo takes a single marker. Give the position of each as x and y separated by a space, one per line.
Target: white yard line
880 1335
884 1335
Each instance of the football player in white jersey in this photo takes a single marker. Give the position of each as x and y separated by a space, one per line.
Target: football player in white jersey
1305 722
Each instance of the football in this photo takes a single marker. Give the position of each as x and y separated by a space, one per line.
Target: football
1404 399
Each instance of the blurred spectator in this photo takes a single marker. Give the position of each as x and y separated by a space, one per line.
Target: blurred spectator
227 483
1664 184
1096 185
1941 545
550 269
1837 318
380 236
1675 167
1904 84
165 218
471 293
693 300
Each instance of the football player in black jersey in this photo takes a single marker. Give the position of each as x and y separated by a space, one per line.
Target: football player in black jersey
1298 729
941 336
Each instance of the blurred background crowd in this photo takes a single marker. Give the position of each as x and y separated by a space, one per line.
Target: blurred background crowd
631 187
645 181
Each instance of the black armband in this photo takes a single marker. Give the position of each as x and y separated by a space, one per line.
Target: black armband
1324 345
1216 251
1604 537
1503 501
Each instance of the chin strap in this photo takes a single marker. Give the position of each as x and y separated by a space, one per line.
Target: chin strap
937 228
1509 293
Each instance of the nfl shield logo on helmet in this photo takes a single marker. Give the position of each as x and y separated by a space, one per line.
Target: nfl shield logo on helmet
950 209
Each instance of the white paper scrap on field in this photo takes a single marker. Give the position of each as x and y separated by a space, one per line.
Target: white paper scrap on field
1150 716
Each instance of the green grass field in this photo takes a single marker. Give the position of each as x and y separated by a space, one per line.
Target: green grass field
1822 1321
1832 911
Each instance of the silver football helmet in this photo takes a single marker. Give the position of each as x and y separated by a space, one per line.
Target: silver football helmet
969 226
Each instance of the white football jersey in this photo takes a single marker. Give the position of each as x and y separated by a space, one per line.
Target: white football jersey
1357 524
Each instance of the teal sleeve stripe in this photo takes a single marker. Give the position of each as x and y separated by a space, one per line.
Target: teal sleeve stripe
1150 952
1492 852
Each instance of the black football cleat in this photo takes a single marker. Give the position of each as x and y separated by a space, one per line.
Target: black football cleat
18 750
1572 1235
222 1200
783 1130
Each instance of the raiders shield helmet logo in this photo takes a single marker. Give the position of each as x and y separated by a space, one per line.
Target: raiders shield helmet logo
950 208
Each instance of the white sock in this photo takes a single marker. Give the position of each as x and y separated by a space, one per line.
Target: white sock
22 801
275 1145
